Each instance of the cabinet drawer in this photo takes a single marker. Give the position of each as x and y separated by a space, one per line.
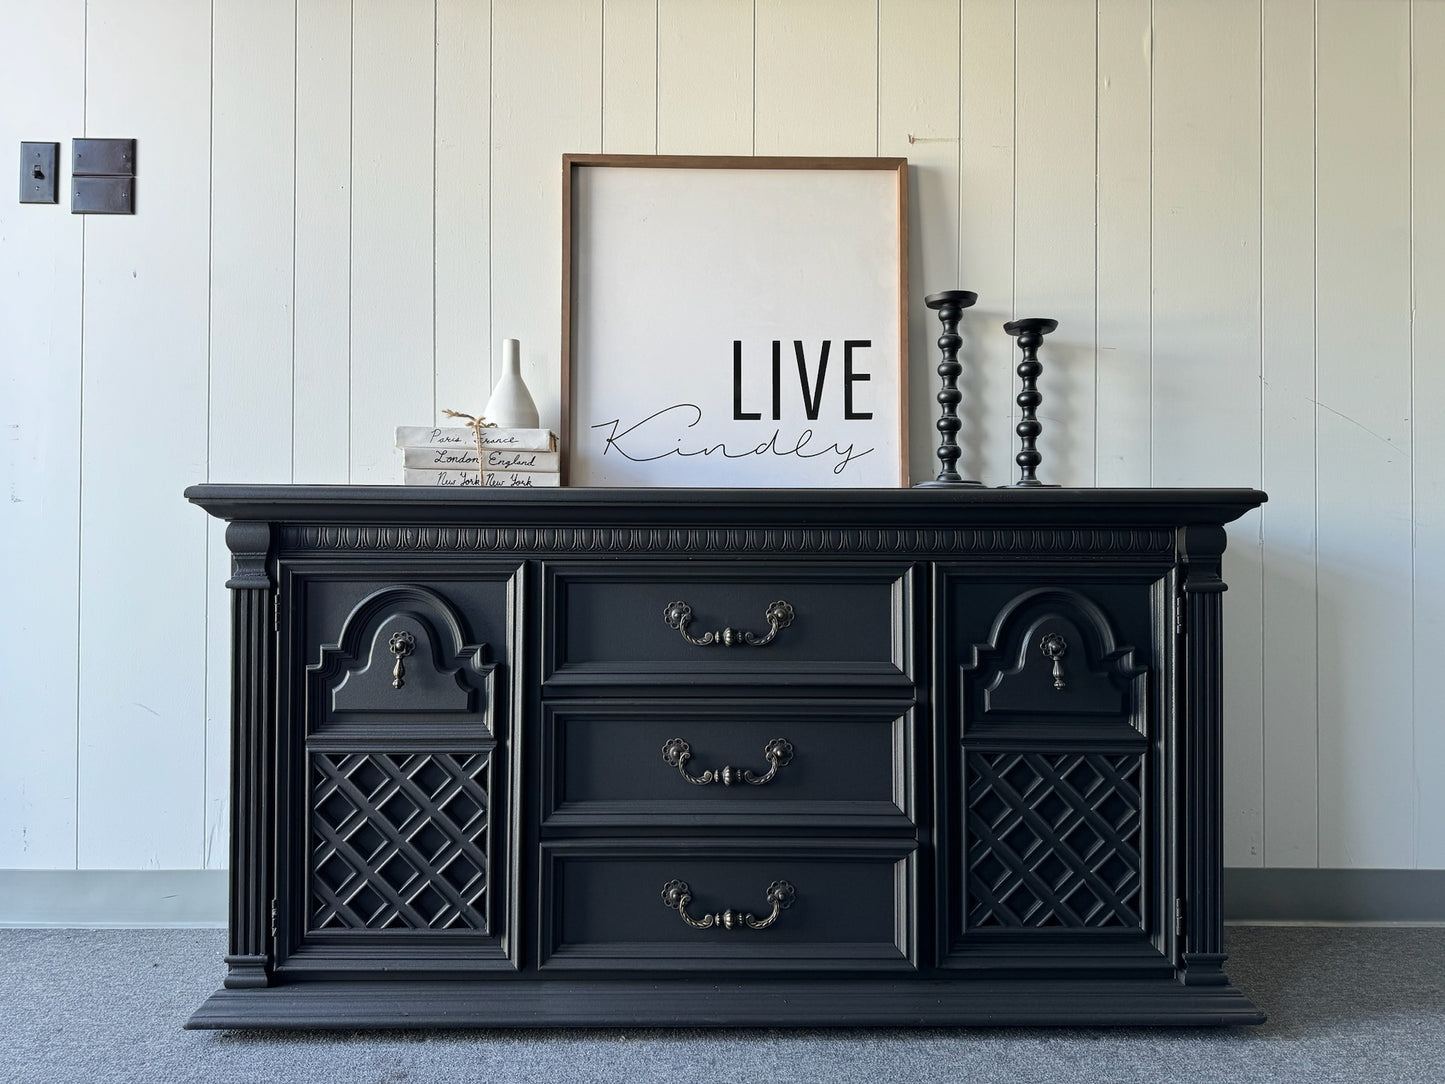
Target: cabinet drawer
783 625
722 765
748 905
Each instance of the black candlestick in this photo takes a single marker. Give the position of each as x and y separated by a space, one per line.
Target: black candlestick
950 305
1030 333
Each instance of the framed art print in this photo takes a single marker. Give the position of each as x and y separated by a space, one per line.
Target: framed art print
734 321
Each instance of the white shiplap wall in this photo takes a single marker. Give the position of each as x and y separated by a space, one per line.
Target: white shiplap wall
1234 208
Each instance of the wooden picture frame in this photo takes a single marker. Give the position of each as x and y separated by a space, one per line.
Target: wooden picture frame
734 321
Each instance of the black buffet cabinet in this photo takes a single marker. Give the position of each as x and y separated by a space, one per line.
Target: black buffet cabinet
620 757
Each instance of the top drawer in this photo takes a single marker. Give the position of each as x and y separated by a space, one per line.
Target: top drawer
808 624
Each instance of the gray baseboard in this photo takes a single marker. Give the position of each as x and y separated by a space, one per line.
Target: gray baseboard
112 897
1306 896
99 898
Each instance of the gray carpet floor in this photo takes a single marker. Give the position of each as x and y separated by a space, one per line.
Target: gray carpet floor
1344 1004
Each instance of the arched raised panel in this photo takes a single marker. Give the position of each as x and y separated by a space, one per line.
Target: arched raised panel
1052 656
403 671
401 654
1051 673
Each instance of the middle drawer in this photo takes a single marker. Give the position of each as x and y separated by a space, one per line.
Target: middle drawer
665 763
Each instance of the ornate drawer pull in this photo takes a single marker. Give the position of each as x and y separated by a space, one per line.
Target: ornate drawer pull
402 644
779 616
778 752
678 895
1053 646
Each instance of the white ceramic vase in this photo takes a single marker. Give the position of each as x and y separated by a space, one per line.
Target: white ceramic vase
511 406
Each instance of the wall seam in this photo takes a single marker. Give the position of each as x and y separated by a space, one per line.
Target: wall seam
491 140
350 223
656 76
602 76
435 186
1150 454
1315 386
210 369
958 223
295 149
80 462
1095 427
1263 461
1414 522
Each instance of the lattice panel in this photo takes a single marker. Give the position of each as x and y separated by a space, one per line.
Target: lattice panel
1053 840
398 841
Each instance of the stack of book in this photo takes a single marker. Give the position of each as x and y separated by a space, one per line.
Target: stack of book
449 456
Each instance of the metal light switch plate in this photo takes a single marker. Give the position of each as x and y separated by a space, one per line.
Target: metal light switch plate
102 157
39 167
102 196
102 176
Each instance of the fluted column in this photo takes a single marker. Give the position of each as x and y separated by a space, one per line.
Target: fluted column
253 696
1202 550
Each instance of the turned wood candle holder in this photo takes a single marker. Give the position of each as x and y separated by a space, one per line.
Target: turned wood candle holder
1030 333
949 305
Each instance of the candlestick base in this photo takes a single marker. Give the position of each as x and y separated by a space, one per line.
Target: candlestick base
948 483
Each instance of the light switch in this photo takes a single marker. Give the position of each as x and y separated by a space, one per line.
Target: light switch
39 164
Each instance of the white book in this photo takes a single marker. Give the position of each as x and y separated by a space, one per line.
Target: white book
462 436
492 479
461 458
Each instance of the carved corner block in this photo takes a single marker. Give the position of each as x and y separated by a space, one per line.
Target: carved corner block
247 972
250 544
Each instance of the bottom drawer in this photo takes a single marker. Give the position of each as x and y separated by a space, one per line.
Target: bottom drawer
748 905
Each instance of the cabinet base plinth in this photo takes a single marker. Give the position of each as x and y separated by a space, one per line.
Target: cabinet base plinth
761 1003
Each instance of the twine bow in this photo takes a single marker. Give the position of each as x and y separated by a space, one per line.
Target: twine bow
476 425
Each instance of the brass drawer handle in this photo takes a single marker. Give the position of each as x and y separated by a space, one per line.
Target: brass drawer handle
778 752
678 895
779 616
1053 646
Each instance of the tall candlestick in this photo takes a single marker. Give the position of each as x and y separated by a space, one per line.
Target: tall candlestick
949 305
1030 333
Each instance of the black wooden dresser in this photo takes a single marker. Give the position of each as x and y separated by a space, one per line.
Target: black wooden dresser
724 757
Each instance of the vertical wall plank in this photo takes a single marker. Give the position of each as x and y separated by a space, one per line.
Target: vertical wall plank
1362 321
629 76
705 76
918 72
321 437
1291 714
986 238
393 204
817 77
42 83
253 230
143 549
1054 221
1428 249
1121 420
546 102
1206 367
464 347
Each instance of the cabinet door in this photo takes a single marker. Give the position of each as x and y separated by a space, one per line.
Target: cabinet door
1052 772
395 773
